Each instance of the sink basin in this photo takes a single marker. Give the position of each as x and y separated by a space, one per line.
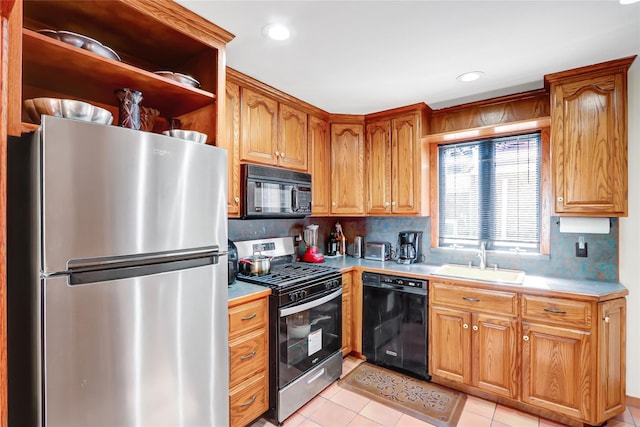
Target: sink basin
500 275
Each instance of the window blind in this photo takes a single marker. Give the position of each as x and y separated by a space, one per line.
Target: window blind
490 191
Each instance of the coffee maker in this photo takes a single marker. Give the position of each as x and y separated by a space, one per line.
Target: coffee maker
409 247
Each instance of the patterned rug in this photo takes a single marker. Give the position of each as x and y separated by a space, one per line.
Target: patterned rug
421 399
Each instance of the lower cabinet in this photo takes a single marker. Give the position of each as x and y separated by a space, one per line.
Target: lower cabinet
472 337
562 358
249 361
346 314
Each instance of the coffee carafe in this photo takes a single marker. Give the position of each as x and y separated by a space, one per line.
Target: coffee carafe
409 247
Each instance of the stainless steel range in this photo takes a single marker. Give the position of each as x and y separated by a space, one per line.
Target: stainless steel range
305 325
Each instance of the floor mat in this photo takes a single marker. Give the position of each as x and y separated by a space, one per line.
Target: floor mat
429 402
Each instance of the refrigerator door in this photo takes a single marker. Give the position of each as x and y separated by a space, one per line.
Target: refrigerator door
109 191
140 351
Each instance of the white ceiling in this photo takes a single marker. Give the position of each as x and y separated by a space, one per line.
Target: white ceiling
359 57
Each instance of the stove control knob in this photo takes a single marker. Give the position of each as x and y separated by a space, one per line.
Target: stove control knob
303 294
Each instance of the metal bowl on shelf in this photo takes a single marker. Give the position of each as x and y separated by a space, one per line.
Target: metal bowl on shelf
189 135
179 77
67 108
83 42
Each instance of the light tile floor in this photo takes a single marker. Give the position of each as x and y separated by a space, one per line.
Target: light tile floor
337 407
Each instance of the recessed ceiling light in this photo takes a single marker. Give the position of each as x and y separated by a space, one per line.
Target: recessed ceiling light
276 32
628 1
470 76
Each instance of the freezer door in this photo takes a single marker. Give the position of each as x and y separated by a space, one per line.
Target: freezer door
143 351
109 191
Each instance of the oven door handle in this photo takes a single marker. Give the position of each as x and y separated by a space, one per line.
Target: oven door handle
309 305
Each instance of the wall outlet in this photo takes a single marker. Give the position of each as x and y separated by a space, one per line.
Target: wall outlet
581 248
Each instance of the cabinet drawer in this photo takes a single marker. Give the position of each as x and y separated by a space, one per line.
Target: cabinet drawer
248 400
556 310
247 317
248 355
474 299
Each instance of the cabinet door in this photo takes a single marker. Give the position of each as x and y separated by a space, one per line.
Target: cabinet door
589 144
292 144
347 169
231 143
378 167
258 141
320 165
450 344
346 314
406 164
494 368
557 369
612 317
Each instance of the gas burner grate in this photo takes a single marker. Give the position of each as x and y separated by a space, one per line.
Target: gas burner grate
289 274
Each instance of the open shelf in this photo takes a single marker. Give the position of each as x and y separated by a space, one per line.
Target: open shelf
56 66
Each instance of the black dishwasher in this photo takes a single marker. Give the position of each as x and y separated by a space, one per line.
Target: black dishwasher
395 323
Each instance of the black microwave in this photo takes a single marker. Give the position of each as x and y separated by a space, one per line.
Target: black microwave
270 192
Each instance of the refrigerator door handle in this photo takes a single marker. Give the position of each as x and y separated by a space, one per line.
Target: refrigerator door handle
78 265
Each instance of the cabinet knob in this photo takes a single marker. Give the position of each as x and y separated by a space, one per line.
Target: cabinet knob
236 199
465 326
282 154
277 153
393 203
333 203
475 327
607 319
526 338
386 204
560 199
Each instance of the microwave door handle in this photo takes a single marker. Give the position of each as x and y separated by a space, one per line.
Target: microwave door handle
294 199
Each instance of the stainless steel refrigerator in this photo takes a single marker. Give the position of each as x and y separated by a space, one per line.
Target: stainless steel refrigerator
117 279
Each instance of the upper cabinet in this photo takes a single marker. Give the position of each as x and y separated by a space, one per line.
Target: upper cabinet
347 168
259 118
231 143
320 165
148 37
273 125
395 176
589 139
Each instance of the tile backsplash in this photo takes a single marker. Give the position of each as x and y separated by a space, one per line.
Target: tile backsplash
601 263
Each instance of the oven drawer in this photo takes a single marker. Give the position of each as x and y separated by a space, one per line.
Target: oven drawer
247 317
479 300
248 355
248 400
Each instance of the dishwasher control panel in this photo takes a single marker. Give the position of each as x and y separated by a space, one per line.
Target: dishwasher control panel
376 278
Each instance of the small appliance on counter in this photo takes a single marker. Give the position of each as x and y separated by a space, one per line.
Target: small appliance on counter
409 247
311 242
377 251
358 247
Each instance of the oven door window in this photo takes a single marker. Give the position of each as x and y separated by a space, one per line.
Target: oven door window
309 333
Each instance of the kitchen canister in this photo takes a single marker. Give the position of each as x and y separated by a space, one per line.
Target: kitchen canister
129 108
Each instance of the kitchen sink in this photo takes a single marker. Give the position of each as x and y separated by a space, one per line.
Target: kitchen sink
498 275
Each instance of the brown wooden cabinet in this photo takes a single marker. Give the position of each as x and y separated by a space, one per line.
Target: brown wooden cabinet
395 162
231 142
560 357
472 337
346 314
249 360
273 133
148 36
347 169
320 165
589 139
292 141
259 121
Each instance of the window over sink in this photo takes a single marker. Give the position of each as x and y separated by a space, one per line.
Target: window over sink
490 191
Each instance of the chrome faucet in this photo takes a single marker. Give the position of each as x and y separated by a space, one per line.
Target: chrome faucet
482 254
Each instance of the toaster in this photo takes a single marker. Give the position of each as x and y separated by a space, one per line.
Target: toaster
378 251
